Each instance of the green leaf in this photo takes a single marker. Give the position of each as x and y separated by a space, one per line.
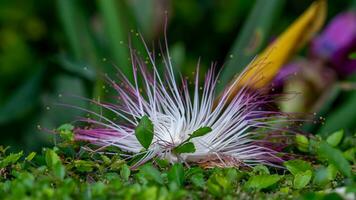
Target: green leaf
331 172
302 143
350 154
176 174
200 132
10 159
187 147
198 180
334 157
125 172
260 170
84 165
301 179
218 184
144 132
30 156
59 170
262 181
321 176
54 163
152 173
51 158
66 132
297 166
335 138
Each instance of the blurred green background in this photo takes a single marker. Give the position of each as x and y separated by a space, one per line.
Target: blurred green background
51 50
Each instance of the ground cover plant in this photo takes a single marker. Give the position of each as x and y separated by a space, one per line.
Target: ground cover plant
325 170
145 121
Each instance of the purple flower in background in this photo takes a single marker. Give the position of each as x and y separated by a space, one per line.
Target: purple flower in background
337 42
241 127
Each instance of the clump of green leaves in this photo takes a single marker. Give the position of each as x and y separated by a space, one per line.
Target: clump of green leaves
66 171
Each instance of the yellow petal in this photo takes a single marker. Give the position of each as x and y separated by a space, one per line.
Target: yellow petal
265 66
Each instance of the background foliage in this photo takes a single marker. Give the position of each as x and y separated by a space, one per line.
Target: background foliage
50 51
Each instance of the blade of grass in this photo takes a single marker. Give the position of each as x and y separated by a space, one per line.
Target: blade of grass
115 30
252 38
76 28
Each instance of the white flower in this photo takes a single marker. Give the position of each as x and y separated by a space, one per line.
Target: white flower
242 126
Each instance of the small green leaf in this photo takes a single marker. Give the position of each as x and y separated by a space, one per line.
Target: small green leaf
144 132
302 142
335 138
30 156
200 132
321 176
125 172
297 166
176 174
331 172
59 170
262 181
151 173
301 179
350 154
66 132
334 157
10 159
84 165
54 163
51 158
260 170
198 180
187 147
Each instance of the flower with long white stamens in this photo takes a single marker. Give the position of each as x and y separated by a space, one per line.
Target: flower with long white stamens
244 128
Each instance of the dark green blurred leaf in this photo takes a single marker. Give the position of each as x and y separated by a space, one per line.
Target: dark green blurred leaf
80 68
341 117
176 174
144 132
144 12
76 28
198 180
152 173
114 25
334 157
251 39
22 100
328 99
